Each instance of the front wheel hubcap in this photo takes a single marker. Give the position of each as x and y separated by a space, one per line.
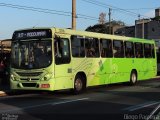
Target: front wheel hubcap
134 78
78 84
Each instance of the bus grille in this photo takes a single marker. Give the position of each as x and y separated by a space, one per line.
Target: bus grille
29 84
27 79
29 74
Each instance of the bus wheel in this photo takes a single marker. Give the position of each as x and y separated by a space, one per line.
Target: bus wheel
79 85
133 78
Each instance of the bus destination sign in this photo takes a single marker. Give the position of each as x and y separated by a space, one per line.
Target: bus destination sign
32 34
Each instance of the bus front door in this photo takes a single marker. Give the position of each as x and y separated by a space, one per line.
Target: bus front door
63 67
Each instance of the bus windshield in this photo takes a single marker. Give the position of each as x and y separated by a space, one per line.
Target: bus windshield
32 54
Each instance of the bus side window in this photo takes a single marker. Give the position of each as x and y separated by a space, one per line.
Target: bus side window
63 51
129 49
139 50
153 51
92 47
118 49
77 45
106 48
147 50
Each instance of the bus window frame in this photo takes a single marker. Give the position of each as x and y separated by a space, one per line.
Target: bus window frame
146 51
109 48
132 49
81 48
90 51
141 52
60 59
121 53
153 50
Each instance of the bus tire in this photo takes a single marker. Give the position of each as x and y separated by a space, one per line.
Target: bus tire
133 78
79 84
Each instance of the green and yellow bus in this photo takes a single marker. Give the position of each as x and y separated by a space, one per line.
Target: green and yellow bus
57 59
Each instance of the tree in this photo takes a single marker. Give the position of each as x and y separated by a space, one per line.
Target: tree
102 18
104 28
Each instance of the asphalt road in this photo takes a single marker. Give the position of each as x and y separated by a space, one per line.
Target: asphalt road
111 102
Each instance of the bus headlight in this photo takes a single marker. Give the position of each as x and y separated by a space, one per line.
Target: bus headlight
47 76
13 77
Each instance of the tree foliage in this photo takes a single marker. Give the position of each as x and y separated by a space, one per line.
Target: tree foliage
104 28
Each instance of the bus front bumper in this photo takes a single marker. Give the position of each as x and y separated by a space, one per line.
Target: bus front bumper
16 85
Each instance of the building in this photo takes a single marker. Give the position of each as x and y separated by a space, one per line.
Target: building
144 28
5 45
126 31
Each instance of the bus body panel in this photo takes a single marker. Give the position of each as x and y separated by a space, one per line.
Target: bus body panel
63 76
98 71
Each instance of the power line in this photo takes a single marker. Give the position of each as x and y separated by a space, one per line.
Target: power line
113 7
141 8
35 9
48 11
88 16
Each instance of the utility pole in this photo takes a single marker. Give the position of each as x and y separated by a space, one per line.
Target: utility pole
109 20
136 23
135 28
139 17
74 14
143 28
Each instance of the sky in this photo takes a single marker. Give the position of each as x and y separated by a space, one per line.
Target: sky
14 16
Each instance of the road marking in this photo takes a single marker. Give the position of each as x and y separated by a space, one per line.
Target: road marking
69 101
152 113
18 96
140 106
51 103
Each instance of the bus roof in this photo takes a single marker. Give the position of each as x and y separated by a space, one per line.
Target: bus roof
99 35
89 34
